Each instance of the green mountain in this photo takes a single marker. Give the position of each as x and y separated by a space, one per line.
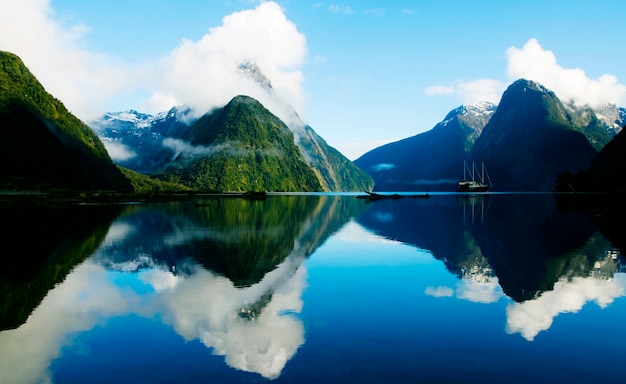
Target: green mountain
42 145
241 147
532 138
333 169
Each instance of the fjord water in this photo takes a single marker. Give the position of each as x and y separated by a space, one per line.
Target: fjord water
311 288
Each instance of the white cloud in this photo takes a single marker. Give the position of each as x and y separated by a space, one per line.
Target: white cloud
204 74
470 92
436 90
532 62
382 167
83 80
118 151
340 9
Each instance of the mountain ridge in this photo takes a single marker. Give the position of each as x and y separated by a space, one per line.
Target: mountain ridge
530 131
42 145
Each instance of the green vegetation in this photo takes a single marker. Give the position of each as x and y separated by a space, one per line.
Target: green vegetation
42 145
334 170
144 184
244 148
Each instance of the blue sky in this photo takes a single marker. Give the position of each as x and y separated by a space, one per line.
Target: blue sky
361 73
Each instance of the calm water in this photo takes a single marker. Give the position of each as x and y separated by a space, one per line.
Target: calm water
299 289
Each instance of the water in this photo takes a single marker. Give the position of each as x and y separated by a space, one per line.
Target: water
311 288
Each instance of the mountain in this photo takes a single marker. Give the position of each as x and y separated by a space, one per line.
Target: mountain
138 141
532 138
606 172
433 159
524 143
149 144
241 147
42 145
335 171
610 116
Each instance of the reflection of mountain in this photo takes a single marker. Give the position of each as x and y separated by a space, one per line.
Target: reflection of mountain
238 238
150 266
41 244
523 239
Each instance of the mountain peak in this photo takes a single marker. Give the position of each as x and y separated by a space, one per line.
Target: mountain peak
251 70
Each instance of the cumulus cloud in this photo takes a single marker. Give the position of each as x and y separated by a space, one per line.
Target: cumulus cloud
535 63
83 80
205 74
202 74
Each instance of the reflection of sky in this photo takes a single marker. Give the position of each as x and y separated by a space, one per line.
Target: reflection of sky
354 245
369 300
201 306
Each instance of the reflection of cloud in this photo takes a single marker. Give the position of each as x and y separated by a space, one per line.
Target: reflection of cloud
74 306
533 316
470 290
479 292
159 279
207 307
201 306
439 291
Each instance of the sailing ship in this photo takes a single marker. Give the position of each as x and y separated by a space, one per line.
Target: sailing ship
473 185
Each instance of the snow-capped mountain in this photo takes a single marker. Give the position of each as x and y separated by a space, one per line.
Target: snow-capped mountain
136 140
432 159
610 116
148 144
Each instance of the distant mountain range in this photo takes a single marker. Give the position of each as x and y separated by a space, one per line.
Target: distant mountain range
525 143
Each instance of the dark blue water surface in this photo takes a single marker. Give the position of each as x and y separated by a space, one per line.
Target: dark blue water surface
313 289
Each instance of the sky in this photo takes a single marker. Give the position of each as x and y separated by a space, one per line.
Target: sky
361 73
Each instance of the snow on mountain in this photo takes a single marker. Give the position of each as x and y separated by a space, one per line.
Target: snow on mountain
612 117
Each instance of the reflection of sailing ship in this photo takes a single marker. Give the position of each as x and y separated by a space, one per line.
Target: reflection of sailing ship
471 205
472 185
